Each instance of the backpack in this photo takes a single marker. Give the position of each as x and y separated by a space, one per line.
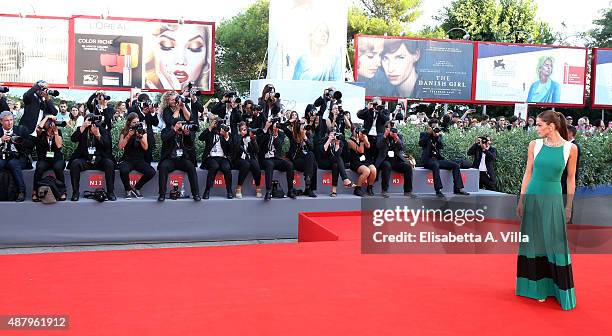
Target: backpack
277 190
8 187
49 189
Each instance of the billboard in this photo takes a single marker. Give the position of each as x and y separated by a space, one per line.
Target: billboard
602 78
529 73
401 67
307 40
32 49
148 54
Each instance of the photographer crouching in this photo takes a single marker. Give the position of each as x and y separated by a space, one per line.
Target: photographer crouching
15 142
218 151
431 157
391 158
271 157
48 144
485 156
145 110
246 152
92 153
134 143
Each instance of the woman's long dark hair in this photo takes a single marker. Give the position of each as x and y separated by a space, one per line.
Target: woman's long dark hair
556 118
128 122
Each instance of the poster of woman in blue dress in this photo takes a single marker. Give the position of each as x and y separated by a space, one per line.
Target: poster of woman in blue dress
544 90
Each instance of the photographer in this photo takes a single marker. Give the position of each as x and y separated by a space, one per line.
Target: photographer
257 119
218 151
134 143
330 158
361 162
15 142
269 101
301 153
485 156
174 108
145 111
224 108
431 157
246 152
391 158
49 154
92 153
176 141
324 102
398 114
4 106
374 117
271 157
98 105
37 104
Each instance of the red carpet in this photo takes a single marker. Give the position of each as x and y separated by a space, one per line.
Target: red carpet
318 288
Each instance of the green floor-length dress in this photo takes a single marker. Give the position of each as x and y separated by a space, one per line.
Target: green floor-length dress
544 268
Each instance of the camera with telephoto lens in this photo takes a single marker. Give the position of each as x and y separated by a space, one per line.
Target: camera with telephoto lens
436 130
192 91
51 122
220 125
139 128
189 126
51 92
95 119
4 89
337 135
101 95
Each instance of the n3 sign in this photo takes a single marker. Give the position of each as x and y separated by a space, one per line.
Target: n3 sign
219 181
96 180
397 179
176 178
134 178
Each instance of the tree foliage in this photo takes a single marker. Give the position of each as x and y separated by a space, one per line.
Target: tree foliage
380 17
601 35
496 20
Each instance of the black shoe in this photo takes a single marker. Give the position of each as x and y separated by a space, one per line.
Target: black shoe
111 197
230 195
384 194
310 193
410 194
268 195
461 192
20 197
291 194
358 192
137 193
370 190
439 194
75 196
206 194
197 198
161 198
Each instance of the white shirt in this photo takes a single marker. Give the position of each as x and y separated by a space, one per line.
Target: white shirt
483 164
372 131
62 117
217 150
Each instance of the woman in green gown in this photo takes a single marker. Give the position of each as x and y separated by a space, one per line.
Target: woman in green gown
544 268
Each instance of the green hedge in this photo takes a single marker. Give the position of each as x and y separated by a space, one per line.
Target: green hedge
595 161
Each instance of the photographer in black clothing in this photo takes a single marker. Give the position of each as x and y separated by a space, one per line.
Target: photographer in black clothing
327 100
361 162
256 120
49 154
228 111
15 142
92 153
98 105
374 117
330 158
301 153
135 144
246 153
485 156
37 104
176 139
431 157
270 102
175 108
144 109
391 158
271 157
218 151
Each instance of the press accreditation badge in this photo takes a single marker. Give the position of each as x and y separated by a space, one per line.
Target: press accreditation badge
50 154
179 152
391 154
362 158
91 150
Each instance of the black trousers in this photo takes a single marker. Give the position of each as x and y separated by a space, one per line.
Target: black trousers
183 164
373 150
244 166
271 164
436 165
487 182
215 164
397 166
80 165
336 165
42 166
307 164
140 166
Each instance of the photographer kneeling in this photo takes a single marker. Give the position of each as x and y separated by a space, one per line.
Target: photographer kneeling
391 158
246 151
217 153
271 157
15 142
431 157
484 156
49 154
92 153
134 143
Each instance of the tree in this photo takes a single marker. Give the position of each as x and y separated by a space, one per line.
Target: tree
380 17
601 35
496 20
241 46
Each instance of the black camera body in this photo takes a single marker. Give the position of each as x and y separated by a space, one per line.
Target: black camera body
139 128
180 99
95 119
4 89
483 140
51 92
338 135
190 126
145 103
393 130
436 130
192 91
103 96
51 122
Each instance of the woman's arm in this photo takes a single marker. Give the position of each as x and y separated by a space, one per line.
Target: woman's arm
526 179
144 142
122 141
571 181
